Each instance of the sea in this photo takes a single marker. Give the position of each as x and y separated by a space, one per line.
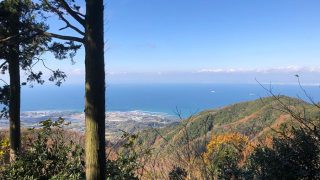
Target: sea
164 98
138 101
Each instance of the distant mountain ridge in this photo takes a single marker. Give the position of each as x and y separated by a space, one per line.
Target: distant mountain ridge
255 119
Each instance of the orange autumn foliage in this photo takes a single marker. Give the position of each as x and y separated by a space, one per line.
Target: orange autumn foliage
240 142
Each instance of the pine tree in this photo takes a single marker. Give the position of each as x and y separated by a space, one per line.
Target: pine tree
21 44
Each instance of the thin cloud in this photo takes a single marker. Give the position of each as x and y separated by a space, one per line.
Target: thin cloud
287 69
76 72
113 73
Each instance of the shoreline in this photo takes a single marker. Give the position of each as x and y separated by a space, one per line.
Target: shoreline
116 122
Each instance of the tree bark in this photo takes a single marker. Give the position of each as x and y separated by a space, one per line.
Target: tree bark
94 91
14 99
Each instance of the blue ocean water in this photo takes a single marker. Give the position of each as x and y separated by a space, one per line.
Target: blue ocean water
165 98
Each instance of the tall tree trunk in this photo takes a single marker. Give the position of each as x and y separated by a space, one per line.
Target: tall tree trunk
94 91
14 100
14 107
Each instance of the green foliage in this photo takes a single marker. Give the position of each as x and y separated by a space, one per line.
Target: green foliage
224 153
225 164
48 156
4 151
177 173
201 126
129 161
126 164
296 157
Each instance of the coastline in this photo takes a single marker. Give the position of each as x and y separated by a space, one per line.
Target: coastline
116 121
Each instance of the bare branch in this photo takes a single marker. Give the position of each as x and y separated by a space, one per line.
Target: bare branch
4 81
68 38
43 63
16 39
306 94
308 124
73 13
68 24
4 63
7 38
80 14
60 14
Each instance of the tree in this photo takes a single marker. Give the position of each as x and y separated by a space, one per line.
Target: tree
295 157
21 47
12 58
295 151
93 41
224 155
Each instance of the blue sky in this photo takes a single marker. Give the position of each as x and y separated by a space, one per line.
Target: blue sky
208 41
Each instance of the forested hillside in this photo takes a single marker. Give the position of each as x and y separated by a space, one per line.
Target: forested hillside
254 119
258 122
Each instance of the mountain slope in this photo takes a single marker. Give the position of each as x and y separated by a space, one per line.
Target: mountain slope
254 118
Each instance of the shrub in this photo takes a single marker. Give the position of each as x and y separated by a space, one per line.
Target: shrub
4 151
130 159
177 173
50 154
295 157
224 154
47 156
